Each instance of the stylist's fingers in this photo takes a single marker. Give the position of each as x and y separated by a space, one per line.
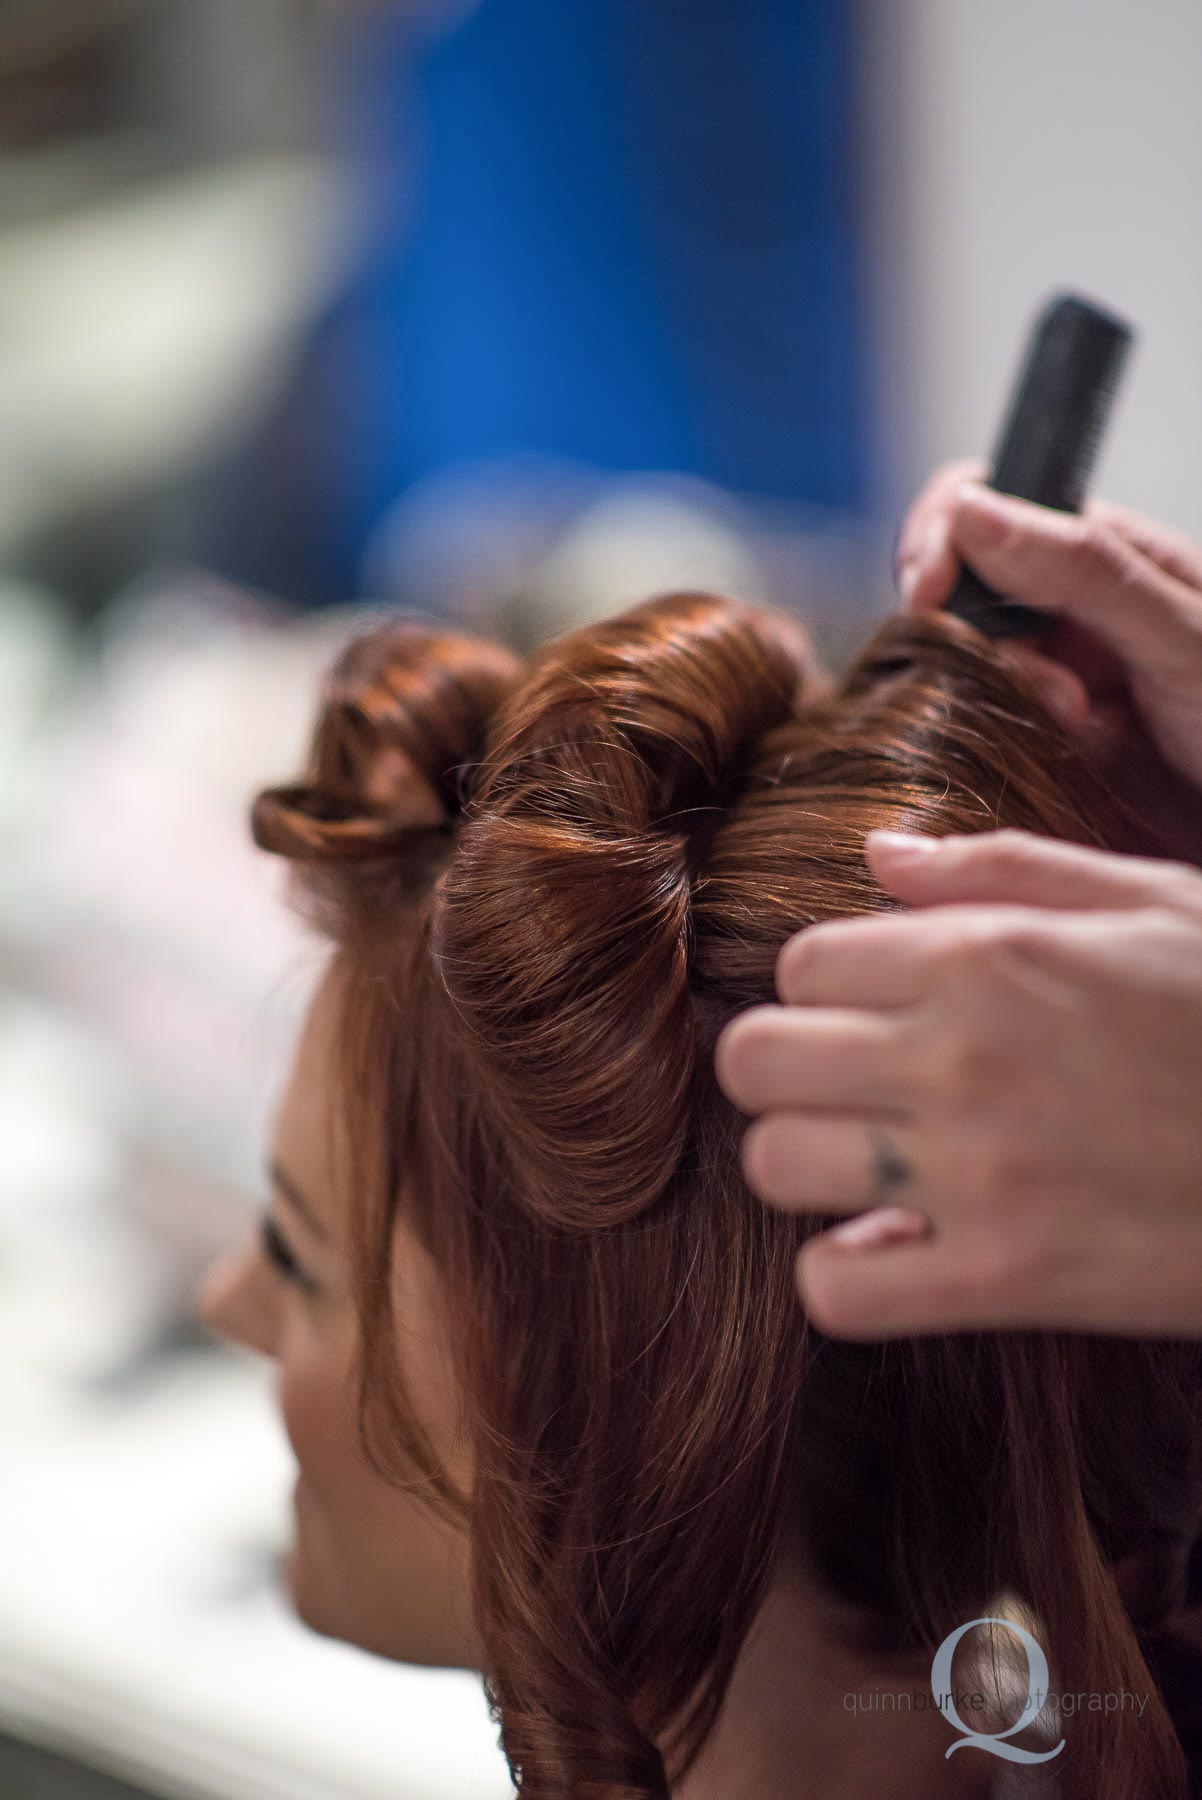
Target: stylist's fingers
924 563
855 1289
1081 567
1093 580
1016 868
1170 549
820 1057
927 564
927 561
826 1162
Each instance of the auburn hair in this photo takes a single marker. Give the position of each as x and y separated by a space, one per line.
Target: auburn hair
549 883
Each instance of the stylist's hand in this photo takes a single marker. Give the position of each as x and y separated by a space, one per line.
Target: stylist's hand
1126 647
1009 1076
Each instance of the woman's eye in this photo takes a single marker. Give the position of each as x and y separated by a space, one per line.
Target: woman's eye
279 1253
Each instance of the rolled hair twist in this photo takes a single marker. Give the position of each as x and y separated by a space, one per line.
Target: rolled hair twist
600 786
403 713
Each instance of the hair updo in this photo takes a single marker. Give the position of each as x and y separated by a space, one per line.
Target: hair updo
550 883
600 787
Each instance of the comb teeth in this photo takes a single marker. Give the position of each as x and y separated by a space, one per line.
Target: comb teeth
1050 441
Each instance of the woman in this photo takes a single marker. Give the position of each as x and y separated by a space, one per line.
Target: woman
557 1412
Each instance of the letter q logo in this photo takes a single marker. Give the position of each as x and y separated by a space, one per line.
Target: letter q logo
994 1741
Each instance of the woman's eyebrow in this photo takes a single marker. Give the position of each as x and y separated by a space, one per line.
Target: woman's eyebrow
292 1193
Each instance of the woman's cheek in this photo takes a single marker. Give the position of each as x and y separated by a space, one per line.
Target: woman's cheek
317 1406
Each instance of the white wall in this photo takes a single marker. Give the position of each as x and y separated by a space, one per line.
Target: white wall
1020 146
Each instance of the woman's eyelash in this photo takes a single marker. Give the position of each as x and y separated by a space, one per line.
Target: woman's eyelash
280 1255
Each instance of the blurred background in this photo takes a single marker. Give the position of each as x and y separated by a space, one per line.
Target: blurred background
509 311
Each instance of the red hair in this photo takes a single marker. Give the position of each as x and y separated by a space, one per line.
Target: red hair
550 884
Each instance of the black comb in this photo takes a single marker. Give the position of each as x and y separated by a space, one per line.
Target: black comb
1050 440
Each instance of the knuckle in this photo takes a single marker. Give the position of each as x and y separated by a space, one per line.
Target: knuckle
1001 1270
1011 849
961 1066
975 1069
1009 939
992 855
972 950
997 1169
1027 1254
957 954
1003 1192
986 950
938 1065
1100 551
965 1291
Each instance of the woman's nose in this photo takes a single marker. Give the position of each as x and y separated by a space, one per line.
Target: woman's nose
236 1297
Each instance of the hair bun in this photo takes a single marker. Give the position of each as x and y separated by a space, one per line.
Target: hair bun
563 929
404 710
662 701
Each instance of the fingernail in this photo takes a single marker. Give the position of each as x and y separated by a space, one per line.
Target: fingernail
877 1229
904 845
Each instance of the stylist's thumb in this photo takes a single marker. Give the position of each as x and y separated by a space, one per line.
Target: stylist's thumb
1018 868
1092 569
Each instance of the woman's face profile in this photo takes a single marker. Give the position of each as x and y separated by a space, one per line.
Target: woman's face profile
369 1562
